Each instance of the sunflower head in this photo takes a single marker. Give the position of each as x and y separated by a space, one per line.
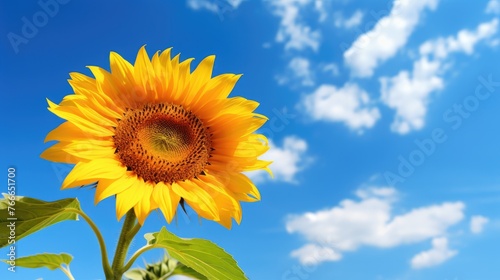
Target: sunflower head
155 134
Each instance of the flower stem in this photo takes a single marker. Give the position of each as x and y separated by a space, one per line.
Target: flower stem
67 272
129 229
136 255
104 255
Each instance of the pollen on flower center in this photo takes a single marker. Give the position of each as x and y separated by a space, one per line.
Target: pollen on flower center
162 143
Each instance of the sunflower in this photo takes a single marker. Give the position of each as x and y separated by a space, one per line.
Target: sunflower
156 134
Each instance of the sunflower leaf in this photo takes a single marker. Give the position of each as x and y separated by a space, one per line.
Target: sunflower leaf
185 270
22 216
48 260
203 256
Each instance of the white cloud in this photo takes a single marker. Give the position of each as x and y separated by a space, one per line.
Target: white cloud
349 104
215 6
408 92
369 221
300 70
387 36
464 41
438 254
312 254
348 23
477 224
319 5
235 3
292 31
288 160
493 7
332 68
386 193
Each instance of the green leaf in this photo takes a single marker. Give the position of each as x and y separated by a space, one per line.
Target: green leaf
28 215
184 270
201 255
48 260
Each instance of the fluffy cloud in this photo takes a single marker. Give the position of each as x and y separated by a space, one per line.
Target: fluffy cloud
312 254
369 221
353 21
299 69
349 104
408 92
215 6
493 7
477 224
288 160
294 32
438 254
387 36
319 5
464 41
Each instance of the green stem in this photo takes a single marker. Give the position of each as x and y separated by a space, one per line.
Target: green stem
67 272
134 230
104 255
129 229
137 254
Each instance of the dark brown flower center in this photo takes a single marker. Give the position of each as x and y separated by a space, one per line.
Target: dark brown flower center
162 143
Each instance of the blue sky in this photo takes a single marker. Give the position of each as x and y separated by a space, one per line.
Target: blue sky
383 126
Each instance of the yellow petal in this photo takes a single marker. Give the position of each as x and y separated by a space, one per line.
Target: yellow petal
240 185
93 171
144 73
110 91
166 199
182 82
67 132
87 150
201 201
172 77
73 115
120 67
225 219
200 76
218 88
56 154
159 82
106 188
143 206
129 198
225 201
221 86
243 126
